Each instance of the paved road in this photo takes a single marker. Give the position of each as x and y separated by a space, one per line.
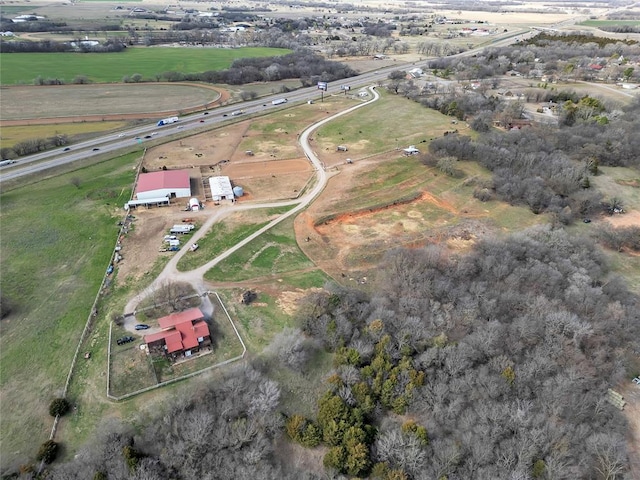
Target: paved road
113 143
196 277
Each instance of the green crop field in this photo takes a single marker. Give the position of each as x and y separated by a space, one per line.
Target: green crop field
23 68
56 243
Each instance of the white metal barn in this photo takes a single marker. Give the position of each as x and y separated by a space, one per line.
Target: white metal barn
165 183
221 188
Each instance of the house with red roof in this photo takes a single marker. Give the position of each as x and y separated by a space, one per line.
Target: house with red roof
162 184
182 335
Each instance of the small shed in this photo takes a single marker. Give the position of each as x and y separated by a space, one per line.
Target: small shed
411 150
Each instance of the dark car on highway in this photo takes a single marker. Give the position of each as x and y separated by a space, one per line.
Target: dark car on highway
66 149
141 326
96 149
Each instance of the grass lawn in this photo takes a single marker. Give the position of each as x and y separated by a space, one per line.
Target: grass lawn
56 244
274 253
257 322
224 235
19 68
75 131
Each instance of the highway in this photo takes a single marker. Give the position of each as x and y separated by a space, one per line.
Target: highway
120 142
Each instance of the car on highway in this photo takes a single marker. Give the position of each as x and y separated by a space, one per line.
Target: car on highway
201 121
179 127
206 113
224 115
66 149
141 326
137 138
120 135
96 149
147 136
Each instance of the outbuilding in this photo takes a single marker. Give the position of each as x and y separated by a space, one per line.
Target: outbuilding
411 150
165 183
221 188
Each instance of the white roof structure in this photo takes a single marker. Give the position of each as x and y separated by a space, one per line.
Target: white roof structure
411 150
221 188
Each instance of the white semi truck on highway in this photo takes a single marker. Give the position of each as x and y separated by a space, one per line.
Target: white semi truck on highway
279 101
167 121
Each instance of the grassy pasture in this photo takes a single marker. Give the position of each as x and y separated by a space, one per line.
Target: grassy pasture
56 244
610 23
19 68
9 136
259 321
274 253
369 130
30 102
224 235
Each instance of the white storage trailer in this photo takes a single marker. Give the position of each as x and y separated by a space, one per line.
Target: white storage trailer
182 229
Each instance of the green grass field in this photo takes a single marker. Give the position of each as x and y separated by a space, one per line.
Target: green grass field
610 23
368 130
224 235
56 243
23 68
9 136
274 253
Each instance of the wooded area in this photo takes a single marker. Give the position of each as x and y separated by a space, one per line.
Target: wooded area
496 365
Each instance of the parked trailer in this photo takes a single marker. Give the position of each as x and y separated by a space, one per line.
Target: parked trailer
167 121
182 229
279 101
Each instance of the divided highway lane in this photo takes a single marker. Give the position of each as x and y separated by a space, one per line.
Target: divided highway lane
113 142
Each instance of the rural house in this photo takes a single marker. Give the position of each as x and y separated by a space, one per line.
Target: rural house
182 335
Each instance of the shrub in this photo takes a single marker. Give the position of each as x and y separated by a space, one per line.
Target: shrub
48 451
59 406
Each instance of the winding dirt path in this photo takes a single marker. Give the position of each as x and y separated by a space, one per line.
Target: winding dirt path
196 277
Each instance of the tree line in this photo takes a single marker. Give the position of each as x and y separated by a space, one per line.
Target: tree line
488 365
517 345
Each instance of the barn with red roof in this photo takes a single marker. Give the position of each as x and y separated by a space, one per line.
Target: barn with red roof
182 335
162 184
